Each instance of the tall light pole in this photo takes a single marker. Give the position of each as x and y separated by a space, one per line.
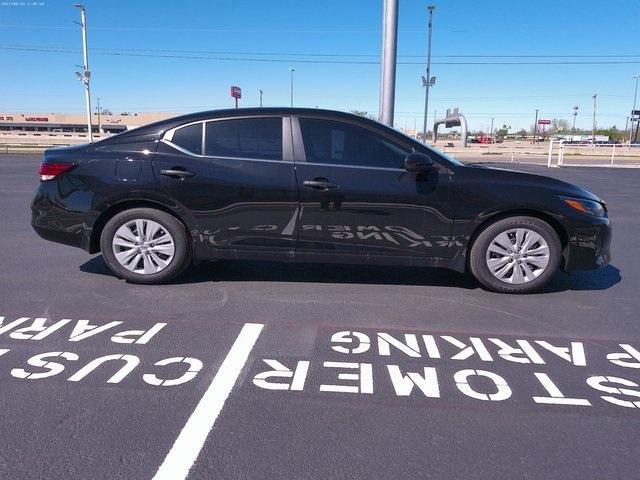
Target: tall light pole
431 8
260 98
535 128
388 61
593 131
86 74
635 96
575 114
291 70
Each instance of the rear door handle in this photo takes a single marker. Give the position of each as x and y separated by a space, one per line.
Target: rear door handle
177 173
319 184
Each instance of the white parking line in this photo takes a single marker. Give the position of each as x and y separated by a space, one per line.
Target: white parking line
187 446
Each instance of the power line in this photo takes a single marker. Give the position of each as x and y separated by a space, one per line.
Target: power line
407 113
345 29
288 60
311 54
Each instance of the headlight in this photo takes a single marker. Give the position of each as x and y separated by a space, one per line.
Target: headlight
585 206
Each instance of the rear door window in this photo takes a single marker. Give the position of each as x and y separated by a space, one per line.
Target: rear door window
256 138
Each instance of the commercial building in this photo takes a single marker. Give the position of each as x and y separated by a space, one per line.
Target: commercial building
76 123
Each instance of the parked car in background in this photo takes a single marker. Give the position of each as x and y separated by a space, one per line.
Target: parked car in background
309 185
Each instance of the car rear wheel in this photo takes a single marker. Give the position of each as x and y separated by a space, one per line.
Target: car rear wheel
516 255
145 245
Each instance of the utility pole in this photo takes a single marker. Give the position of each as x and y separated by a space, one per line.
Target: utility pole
626 127
535 128
635 96
575 114
291 86
86 74
593 132
261 98
99 123
427 85
491 134
389 52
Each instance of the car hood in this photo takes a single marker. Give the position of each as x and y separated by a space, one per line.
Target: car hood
515 177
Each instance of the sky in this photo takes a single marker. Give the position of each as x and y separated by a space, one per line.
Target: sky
137 50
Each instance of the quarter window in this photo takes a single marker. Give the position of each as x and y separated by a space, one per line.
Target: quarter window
189 138
340 143
245 138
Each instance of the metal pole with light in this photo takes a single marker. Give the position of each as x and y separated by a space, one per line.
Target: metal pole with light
575 114
593 132
430 82
535 128
86 74
388 61
260 98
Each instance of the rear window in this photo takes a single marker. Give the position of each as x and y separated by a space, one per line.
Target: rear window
189 138
259 138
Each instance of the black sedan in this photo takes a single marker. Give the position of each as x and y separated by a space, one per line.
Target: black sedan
309 185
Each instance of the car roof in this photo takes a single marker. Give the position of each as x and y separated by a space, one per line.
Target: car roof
157 128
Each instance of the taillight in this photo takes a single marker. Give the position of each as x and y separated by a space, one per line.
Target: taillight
49 171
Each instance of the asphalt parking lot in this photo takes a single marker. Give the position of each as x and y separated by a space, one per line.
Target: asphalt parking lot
255 370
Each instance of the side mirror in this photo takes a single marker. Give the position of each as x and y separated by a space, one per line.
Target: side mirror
417 162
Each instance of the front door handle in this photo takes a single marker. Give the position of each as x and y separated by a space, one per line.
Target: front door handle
319 184
177 173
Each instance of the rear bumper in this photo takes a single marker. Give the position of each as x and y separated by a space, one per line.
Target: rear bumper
52 221
589 245
58 236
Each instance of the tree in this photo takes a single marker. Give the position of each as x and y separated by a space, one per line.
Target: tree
613 133
559 125
502 132
364 114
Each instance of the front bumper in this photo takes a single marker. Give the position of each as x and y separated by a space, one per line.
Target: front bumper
589 245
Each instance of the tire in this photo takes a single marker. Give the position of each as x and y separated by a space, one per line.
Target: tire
142 260
490 245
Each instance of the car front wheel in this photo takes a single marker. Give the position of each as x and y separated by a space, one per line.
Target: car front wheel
145 245
516 255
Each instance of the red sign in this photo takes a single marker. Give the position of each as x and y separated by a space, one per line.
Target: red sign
544 122
236 92
36 119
